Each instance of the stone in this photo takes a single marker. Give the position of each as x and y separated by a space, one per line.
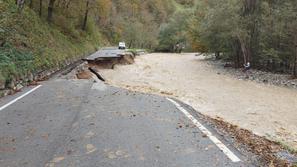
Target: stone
19 86
2 84
30 77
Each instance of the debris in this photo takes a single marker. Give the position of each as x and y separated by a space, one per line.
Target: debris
84 75
266 149
97 74
166 93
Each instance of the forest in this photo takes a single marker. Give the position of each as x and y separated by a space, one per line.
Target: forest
37 35
263 33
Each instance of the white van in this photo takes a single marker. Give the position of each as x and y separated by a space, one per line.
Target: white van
122 45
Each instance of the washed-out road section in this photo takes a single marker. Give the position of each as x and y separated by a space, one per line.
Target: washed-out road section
86 124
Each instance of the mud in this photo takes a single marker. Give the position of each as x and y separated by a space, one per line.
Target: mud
112 62
84 75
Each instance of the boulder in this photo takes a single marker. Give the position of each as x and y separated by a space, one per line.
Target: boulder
2 84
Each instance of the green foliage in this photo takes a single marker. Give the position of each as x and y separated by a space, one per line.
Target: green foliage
251 30
14 63
136 22
29 44
175 31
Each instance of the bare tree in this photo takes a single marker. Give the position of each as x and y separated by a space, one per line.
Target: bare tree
50 10
295 59
40 8
84 25
31 4
89 5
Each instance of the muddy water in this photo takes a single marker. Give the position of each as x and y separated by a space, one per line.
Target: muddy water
266 110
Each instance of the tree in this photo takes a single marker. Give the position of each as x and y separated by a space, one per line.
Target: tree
31 4
40 8
174 32
84 25
50 10
260 32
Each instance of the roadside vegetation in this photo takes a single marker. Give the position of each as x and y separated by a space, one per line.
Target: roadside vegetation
38 35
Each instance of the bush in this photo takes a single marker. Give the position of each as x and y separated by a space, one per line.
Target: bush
14 63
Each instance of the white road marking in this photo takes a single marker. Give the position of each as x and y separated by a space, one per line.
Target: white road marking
205 131
20 97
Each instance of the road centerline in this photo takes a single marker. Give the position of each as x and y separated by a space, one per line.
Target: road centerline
205 131
20 97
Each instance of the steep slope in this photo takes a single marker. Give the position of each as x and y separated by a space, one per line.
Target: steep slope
28 44
32 41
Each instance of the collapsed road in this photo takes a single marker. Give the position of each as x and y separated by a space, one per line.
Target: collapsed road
67 121
109 57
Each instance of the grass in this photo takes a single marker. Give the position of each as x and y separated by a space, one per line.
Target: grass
28 44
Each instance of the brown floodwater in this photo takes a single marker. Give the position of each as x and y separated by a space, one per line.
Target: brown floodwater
266 110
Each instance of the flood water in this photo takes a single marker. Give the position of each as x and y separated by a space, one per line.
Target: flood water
266 110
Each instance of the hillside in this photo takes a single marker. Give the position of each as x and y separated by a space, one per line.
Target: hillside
41 35
30 45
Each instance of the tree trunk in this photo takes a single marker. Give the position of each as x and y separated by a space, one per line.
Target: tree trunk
31 4
40 8
249 44
237 54
84 26
50 11
244 50
130 43
20 4
295 63
217 55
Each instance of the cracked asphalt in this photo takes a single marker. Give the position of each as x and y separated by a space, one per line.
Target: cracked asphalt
82 123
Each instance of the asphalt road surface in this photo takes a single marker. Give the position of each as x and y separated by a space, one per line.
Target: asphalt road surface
82 123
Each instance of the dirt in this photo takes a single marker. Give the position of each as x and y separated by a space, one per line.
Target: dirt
110 63
103 64
84 75
265 110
